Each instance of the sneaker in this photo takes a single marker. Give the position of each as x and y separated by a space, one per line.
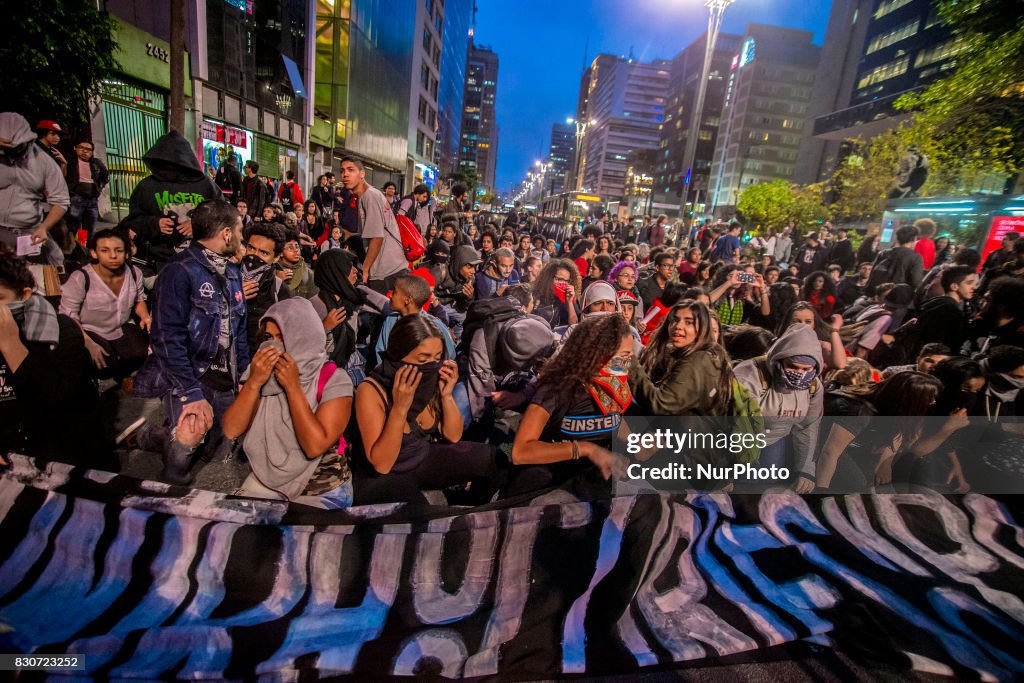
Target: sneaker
126 438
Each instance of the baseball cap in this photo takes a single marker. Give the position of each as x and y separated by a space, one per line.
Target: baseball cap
47 124
627 297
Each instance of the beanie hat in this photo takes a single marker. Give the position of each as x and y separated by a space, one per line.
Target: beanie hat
599 291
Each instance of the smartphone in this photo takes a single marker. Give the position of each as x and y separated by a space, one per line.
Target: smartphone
747 278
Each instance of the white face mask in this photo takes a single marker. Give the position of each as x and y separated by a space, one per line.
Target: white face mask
1015 382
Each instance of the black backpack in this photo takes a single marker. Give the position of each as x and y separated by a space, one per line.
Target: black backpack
483 312
287 195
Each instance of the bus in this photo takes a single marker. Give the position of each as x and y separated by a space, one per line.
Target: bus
561 214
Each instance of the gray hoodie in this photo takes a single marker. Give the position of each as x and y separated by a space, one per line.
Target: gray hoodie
804 408
30 182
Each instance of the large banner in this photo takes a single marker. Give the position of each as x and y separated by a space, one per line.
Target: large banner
147 581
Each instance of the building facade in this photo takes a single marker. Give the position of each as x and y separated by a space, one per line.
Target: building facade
766 108
875 51
624 110
424 94
479 151
670 170
454 47
560 156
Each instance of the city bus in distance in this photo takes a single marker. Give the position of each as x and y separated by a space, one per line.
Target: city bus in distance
561 214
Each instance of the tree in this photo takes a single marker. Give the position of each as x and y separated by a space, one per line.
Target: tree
779 202
766 203
55 59
973 119
862 180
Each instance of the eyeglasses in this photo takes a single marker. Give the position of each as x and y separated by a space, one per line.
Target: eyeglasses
291 247
627 276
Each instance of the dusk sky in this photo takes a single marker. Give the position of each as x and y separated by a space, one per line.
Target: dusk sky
540 47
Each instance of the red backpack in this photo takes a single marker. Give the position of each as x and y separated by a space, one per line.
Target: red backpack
412 240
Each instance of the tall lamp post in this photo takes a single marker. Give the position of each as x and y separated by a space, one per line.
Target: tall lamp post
716 9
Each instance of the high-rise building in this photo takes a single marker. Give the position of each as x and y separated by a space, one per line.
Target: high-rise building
624 110
479 153
765 112
874 52
669 171
424 93
362 90
560 156
454 46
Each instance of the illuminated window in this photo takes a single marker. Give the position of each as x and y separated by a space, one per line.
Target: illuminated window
884 72
945 50
892 37
889 6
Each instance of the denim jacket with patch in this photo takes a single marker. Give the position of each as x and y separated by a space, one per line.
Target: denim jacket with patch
185 336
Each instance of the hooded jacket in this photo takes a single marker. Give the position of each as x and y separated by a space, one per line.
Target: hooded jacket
687 388
30 182
271 445
175 186
450 291
803 408
500 348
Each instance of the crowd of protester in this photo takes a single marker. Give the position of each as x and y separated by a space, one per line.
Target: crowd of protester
298 336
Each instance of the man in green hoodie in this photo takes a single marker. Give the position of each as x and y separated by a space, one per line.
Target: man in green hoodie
161 204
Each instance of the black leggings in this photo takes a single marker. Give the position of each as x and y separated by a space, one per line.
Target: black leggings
446 464
125 354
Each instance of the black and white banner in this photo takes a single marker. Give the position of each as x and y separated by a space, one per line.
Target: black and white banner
149 581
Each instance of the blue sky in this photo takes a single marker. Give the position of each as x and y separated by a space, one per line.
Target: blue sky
540 46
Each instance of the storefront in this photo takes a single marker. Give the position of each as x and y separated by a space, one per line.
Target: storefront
275 157
221 141
132 114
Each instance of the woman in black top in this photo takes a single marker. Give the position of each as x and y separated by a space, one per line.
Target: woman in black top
556 292
410 426
566 432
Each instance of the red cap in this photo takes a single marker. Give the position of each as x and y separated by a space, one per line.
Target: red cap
47 124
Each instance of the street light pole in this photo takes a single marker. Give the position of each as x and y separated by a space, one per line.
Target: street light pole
716 9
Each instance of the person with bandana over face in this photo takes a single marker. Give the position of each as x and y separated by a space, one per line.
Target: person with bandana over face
198 341
785 382
339 301
33 194
292 409
45 373
411 428
260 284
581 395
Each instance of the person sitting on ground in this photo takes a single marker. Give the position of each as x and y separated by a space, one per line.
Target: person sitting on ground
555 293
628 305
852 287
737 302
334 241
882 319
410 295
411 428
291 411
497 275
340 298
260 284
683 371
49 407
652 287
819 291
785 383
500 361
293 269
828 333
930 355
101 298
557 444
859 451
